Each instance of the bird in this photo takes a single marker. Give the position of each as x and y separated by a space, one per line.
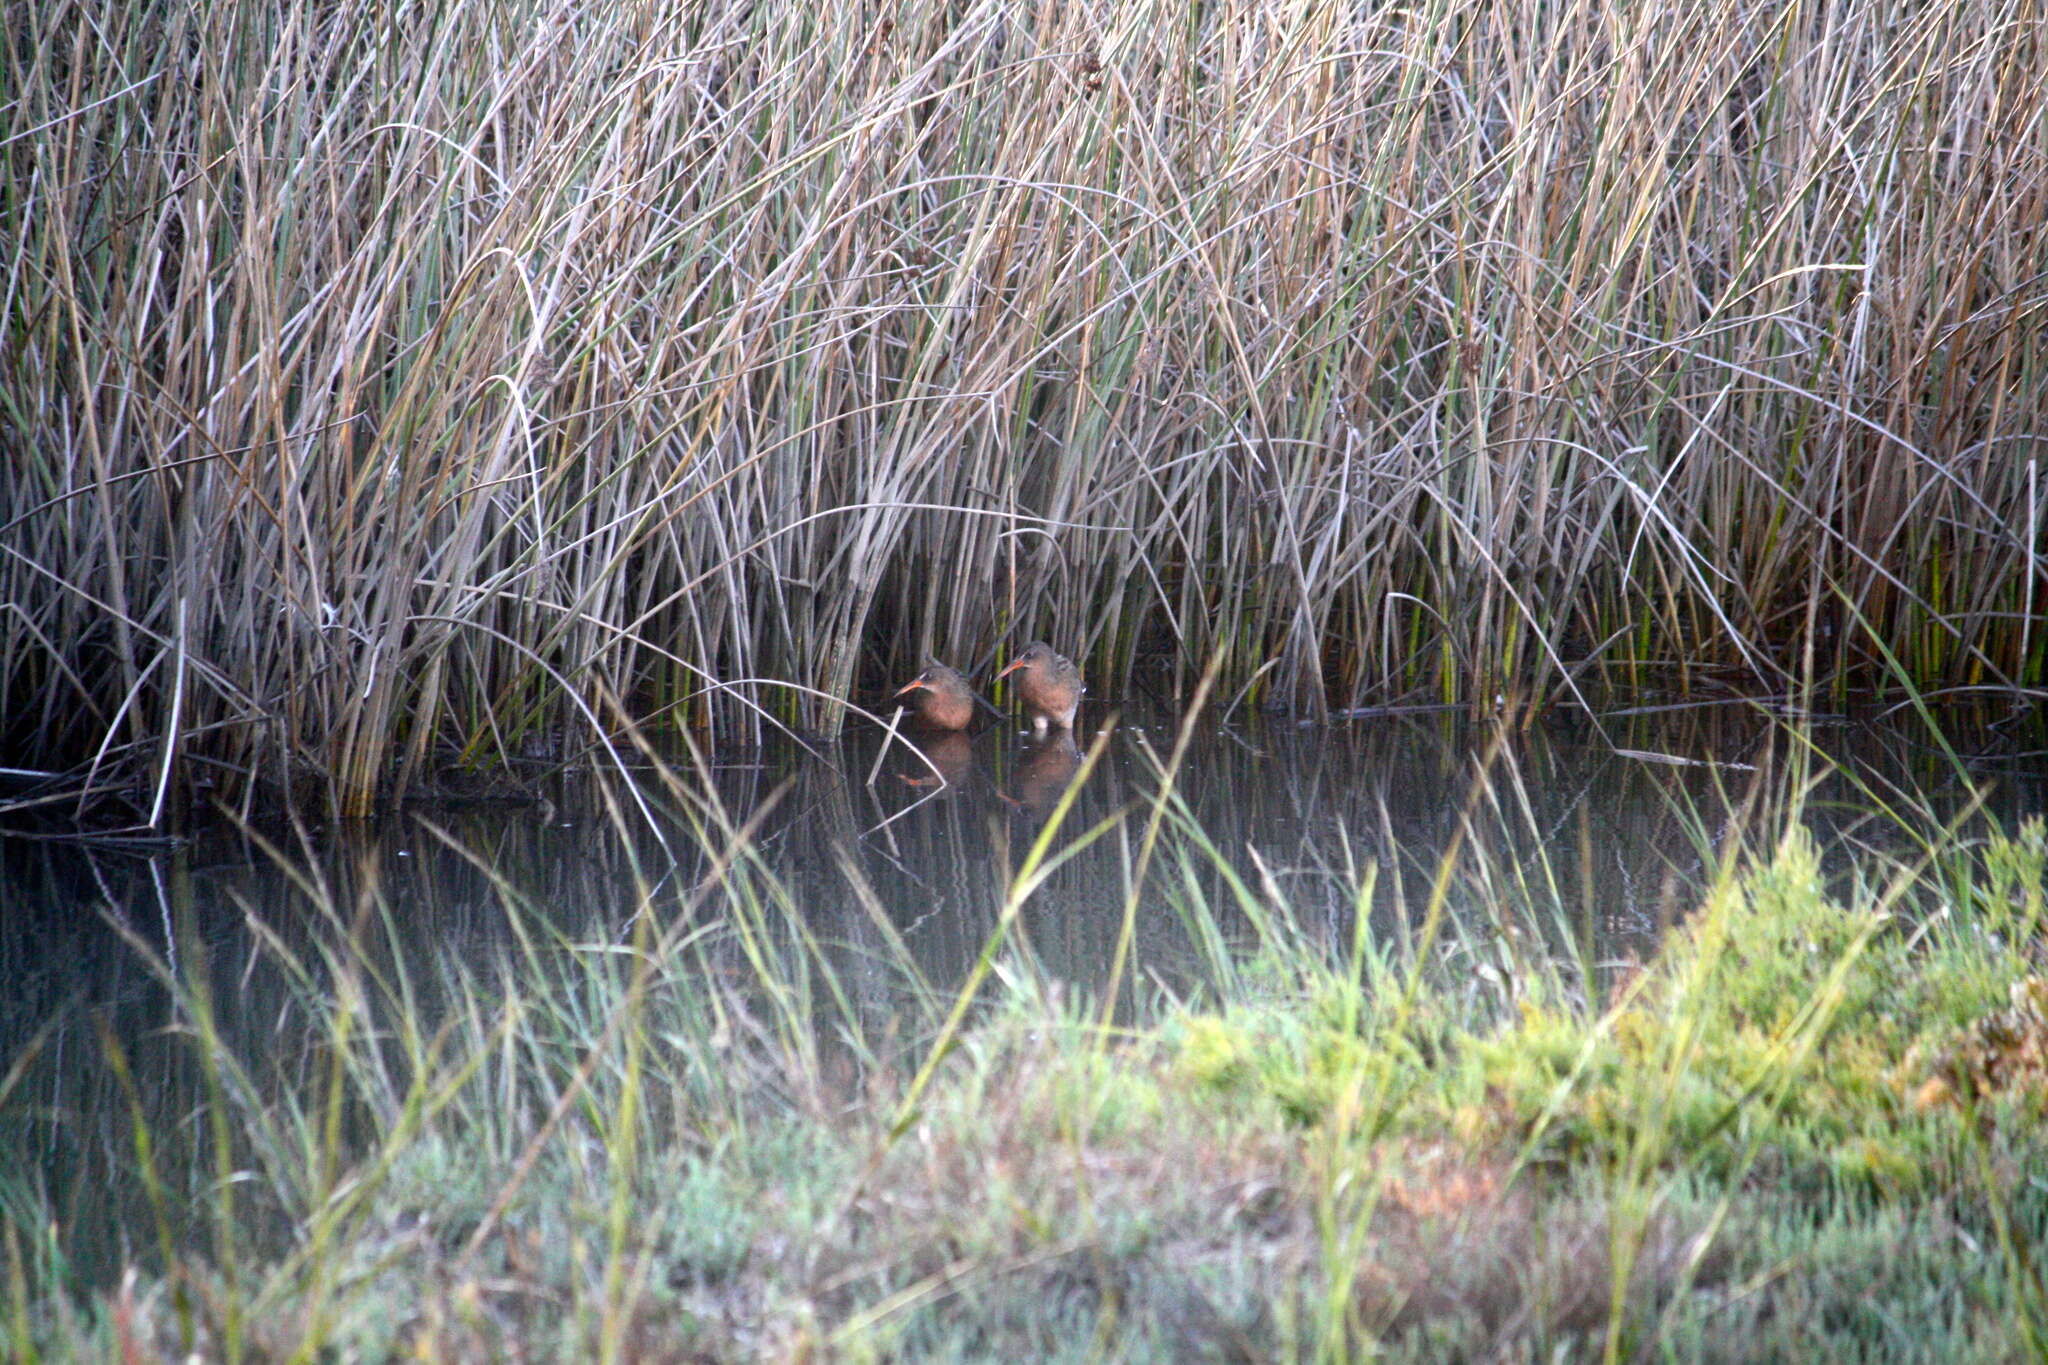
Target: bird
1051 686
943 701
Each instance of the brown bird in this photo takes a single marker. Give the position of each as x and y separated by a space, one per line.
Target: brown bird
1051 686
943 701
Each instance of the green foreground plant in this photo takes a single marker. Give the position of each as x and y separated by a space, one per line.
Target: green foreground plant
1807 1126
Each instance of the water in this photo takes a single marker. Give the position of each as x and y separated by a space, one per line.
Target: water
1590 838
1609 830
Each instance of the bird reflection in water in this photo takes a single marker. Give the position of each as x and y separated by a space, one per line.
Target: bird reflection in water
951 757
1045 771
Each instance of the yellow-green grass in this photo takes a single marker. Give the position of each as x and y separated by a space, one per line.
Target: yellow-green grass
1809 1126
379 385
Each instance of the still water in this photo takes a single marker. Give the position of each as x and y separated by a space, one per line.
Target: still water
1613 824
891 865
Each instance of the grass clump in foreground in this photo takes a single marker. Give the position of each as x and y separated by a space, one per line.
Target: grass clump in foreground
1808 1129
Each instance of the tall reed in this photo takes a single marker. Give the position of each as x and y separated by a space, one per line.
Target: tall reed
381 379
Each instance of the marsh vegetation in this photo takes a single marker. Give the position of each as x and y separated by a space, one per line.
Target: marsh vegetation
386 388
400 401
1152 1079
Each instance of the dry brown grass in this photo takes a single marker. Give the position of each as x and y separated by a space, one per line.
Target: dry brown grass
380 388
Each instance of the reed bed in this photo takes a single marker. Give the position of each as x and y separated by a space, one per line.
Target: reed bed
384 382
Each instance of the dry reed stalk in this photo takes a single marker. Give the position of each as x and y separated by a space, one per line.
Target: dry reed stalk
385 383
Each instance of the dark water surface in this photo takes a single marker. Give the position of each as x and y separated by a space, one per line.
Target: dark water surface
1602 823
1595 835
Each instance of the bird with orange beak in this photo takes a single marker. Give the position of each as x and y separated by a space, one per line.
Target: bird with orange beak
1050 685
943 700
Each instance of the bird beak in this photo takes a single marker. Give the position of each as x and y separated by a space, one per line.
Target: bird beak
1014 666
910 686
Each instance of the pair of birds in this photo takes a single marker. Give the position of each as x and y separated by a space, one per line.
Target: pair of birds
1050 686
